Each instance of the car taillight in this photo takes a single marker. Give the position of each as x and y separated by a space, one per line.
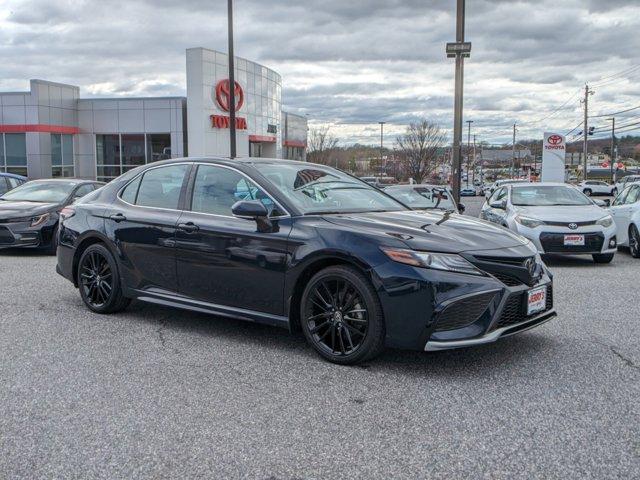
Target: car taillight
67 212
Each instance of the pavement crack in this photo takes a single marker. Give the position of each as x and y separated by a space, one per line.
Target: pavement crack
626 360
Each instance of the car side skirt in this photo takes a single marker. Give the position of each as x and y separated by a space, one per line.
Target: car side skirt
173 300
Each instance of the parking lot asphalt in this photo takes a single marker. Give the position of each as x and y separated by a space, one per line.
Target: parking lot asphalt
161 393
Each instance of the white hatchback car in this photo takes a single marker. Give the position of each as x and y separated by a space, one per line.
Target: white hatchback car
625 210
556 217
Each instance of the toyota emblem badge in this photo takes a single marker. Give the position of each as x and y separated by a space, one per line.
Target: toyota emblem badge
573 226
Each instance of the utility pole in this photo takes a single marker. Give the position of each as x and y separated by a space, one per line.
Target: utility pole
613 141
469 122
513 152
381 139
585 131
232 84
474 159
460 49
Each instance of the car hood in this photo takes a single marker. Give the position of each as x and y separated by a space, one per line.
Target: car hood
582 213
431 230
24 209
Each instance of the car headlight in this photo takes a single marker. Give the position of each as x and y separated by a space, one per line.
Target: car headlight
605 221
40 219
437 261
528 221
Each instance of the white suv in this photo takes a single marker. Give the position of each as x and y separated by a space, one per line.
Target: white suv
596 187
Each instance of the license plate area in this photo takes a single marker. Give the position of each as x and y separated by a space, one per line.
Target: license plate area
536 300
574 240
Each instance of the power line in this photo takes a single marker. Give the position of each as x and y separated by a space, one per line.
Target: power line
614 113
615 76
556 110
621 126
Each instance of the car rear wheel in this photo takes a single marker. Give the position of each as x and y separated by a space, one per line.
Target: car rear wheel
603 257
587 192
341 316
99 281
634 241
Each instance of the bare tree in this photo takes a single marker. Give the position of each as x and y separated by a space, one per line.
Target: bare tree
320 145
418 148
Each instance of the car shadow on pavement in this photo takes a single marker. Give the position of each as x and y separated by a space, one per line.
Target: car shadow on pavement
573 261
481 360
24 252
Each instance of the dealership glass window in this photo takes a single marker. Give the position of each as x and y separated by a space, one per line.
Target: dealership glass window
158 147
2 163
132 148
117 154
61 155
15 149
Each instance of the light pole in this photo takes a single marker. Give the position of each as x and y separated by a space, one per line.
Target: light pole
381 139
613 142
469 122
232 84
458 50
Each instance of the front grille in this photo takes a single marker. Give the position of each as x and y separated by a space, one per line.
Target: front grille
515 309
554 243
566 224
508 280
463 312
6 237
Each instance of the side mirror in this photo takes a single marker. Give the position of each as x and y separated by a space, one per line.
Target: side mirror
249 209
500 205
461 208
602 203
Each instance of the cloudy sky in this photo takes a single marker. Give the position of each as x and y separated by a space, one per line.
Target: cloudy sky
349 63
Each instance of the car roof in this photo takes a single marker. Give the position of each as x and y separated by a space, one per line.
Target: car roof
12 175
413 185
75 181
543 184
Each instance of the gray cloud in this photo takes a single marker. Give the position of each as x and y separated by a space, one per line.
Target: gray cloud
344 62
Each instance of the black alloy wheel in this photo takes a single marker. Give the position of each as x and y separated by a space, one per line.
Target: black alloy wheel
341 316
634 241
99 281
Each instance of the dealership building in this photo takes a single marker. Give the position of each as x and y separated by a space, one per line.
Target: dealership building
50 131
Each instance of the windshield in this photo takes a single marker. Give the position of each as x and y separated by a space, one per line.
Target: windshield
314 189
422 197
539 196
48 192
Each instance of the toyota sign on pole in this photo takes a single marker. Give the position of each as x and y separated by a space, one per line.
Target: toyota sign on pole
553 150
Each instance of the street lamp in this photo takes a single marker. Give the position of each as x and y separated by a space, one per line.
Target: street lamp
232 83
458 50
613 142
381 139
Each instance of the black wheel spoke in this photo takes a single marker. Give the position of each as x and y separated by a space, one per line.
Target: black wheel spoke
96 279
336 316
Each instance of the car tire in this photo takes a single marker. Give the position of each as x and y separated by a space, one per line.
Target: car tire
603 257
587 192
344 339
634 241
99 281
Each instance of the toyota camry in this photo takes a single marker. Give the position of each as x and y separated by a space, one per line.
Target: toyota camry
305 247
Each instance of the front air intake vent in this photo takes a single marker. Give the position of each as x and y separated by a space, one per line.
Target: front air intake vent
463 312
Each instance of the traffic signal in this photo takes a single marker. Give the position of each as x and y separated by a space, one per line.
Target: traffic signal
591 129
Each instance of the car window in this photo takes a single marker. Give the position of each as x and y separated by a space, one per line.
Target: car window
14 182
619 200
4 187
160 187
216 189
498 195
633 196
83 190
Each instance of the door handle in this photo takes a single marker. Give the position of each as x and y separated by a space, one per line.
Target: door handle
188 227
118 217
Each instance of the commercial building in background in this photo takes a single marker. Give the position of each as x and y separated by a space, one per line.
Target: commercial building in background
50 131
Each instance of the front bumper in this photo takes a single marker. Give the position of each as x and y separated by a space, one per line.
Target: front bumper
550 239
21 234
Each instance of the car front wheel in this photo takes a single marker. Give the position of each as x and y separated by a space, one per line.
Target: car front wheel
341 316
634 241
99 281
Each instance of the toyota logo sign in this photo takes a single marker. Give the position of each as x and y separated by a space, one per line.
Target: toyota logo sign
554 139
223 94
573 226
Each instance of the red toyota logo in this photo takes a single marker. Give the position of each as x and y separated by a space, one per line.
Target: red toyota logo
554 139
223 95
